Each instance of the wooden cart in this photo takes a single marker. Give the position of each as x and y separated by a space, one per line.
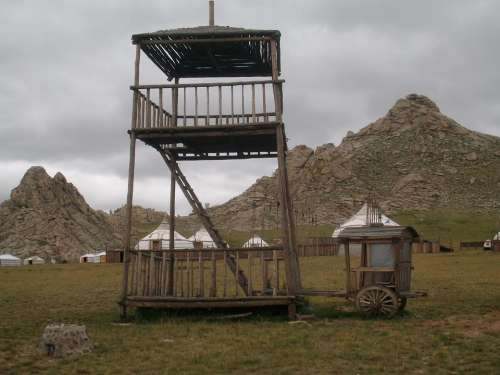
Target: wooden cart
381 284
378 268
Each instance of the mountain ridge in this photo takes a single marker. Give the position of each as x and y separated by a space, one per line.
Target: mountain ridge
412 159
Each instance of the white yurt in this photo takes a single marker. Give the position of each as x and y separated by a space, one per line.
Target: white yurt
359 219
9 260
33 260
255 241
202 236
90 258
159 239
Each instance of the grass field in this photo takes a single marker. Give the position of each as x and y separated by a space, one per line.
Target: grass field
455 330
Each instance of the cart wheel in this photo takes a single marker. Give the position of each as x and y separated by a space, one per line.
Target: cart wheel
377 301
401 303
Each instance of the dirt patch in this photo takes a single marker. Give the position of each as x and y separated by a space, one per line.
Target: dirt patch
470 325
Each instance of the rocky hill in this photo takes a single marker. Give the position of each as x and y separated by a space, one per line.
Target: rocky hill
48 217
144 220
414 158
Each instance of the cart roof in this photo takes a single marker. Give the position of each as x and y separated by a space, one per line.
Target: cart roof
376 232
210 51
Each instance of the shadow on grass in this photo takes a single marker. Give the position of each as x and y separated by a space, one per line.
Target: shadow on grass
148 315
344 310
320 311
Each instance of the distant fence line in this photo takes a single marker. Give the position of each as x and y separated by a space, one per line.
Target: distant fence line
327 246
317 246
472 244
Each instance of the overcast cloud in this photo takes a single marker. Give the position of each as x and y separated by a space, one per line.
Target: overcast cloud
65 68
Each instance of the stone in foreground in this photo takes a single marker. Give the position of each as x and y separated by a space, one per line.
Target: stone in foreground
60 340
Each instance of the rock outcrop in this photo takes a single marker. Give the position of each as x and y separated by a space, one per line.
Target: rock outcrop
414 158
48 217
61 340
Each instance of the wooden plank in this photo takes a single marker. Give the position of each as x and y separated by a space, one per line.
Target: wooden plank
225 274
263 271
236 283
232 105
196 106
207 118
264 104
130 190
347 267
250 273
193 304
276 270
151 275
322 293
287 219
208 84
254 118
219 119
213 286
203 40
201 275
188 276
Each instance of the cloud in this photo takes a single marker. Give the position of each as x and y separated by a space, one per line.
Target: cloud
66 67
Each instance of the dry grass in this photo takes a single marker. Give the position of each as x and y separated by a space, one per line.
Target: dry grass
455 330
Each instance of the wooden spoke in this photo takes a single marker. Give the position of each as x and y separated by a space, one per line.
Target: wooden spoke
377 301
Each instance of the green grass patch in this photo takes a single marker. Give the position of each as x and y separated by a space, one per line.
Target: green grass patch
455 330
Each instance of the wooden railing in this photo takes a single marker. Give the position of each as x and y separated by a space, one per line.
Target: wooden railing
202 273
204 104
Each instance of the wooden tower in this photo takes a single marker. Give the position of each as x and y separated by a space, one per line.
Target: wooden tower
240 118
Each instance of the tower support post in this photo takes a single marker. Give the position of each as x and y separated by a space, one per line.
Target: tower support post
130 189
171 242
287 219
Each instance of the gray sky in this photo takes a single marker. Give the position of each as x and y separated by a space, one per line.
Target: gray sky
65 68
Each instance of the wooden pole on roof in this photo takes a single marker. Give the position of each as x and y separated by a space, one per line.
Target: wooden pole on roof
211 12
130 192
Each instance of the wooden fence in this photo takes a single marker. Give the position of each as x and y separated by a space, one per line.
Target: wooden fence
428 247
317 246
197 273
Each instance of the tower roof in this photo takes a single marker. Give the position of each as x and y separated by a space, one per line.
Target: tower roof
210 51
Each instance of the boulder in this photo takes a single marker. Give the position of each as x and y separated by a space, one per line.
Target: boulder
60 340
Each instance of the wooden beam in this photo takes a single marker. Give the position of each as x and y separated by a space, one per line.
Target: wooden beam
287 218
204 40
208 84
207 302
171 242
130 189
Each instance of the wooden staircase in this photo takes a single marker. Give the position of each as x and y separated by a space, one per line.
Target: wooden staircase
202 214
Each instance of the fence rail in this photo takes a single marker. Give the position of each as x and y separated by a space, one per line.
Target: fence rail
317 246
200 273
204 104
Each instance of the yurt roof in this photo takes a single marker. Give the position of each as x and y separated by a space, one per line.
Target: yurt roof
88 255
162 232
359 220
8 257
255 239
201 235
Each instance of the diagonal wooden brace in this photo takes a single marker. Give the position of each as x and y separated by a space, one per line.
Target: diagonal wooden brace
203 215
